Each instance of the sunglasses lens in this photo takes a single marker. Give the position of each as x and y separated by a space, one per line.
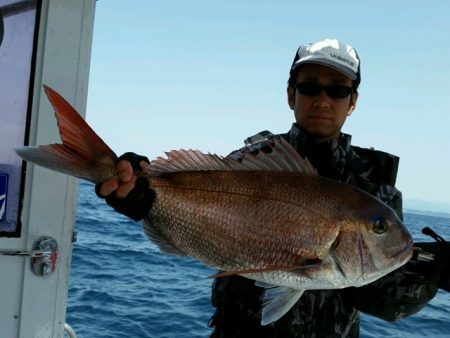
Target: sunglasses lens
338 91
309 88
314 89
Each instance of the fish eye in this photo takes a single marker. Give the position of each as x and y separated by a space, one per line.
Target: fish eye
379 225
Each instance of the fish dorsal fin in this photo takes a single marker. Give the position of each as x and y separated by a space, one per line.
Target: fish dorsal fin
277 300
280 156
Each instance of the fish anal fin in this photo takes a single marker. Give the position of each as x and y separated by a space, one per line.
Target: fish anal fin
314 264
161 242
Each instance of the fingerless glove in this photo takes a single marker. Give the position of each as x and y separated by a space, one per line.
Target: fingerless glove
137 204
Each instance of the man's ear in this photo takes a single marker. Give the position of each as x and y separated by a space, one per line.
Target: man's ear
291 97
352 104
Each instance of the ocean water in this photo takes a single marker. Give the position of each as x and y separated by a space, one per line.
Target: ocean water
122 286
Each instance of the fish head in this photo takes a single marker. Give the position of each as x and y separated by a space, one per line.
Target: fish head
372 242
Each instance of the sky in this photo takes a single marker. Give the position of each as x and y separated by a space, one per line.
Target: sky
207 74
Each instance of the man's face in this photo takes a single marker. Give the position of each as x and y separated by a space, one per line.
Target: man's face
321 115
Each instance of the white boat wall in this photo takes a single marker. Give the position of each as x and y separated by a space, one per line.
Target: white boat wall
42 42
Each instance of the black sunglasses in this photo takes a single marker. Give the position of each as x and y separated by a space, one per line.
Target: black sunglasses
314 89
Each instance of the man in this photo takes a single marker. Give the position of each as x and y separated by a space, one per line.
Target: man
322 92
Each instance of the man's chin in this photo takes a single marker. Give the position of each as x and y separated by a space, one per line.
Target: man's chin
321 133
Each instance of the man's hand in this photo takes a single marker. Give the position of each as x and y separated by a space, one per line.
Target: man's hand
126 192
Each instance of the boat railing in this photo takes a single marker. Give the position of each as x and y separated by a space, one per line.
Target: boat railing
69 332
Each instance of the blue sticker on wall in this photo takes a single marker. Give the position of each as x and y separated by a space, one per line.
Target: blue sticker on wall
3 193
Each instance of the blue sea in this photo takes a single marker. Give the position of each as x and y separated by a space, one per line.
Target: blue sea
122 286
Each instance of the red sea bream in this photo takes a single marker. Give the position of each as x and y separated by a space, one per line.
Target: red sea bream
269 217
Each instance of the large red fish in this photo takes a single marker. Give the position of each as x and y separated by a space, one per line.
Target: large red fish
270 217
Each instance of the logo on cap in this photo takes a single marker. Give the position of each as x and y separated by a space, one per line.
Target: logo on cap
3 192
340 58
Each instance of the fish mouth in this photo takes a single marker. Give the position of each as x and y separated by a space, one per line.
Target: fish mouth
405 253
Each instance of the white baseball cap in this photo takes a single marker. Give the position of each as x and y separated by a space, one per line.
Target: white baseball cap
331 53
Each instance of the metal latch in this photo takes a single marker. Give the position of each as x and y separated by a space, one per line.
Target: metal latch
44 255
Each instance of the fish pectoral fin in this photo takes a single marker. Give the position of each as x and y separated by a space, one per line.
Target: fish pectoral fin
277 300
266 269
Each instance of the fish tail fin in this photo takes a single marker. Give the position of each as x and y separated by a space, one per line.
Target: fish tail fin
82 153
